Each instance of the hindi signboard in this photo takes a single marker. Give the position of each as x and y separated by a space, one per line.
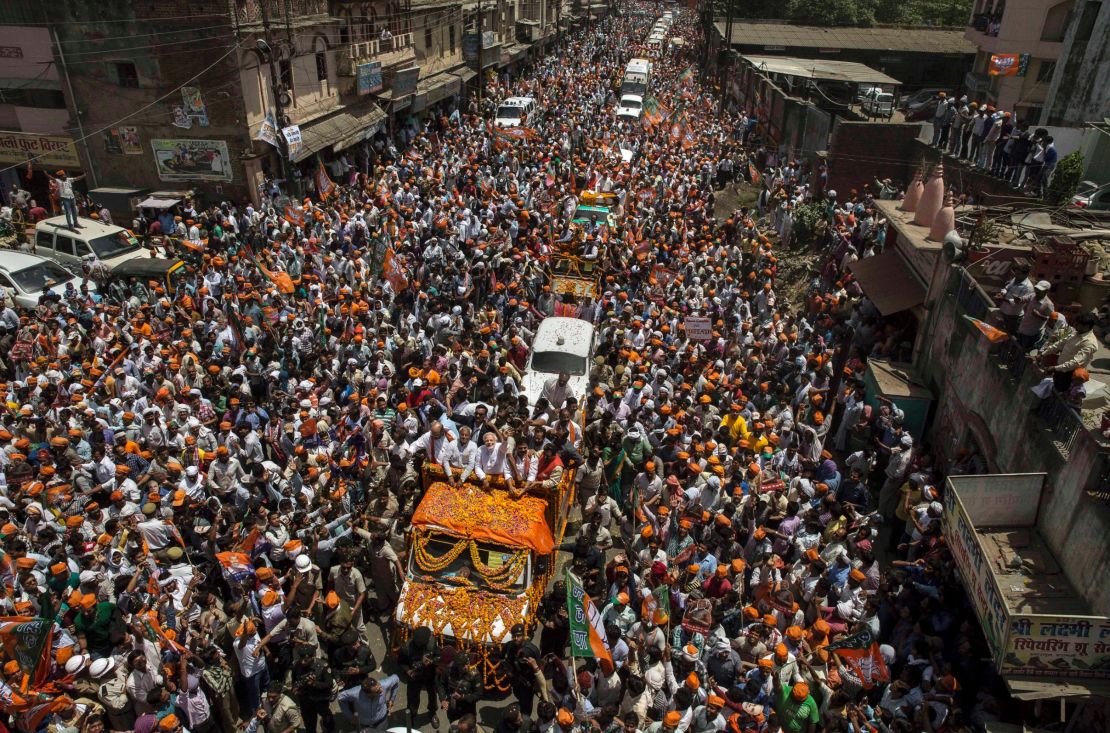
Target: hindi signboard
1022 644
369 77
1057 646
699 328
56 151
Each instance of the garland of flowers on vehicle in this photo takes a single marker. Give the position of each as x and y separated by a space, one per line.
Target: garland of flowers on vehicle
430 563
504 577
472 614
500 578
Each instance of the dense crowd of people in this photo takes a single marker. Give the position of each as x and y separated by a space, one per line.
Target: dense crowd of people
762 542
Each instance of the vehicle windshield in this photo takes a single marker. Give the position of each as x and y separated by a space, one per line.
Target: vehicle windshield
40 277
630 103
554 362
462 572
509 112
113 245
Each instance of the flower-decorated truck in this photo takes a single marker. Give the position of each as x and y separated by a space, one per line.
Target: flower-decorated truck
480 559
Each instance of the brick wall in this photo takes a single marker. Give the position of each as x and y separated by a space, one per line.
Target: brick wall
860 152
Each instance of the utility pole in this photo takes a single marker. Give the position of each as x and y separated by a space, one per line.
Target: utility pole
76 111
267 48
725 57
481 55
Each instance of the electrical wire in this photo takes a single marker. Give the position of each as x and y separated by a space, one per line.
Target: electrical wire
98 21
136 112
69 41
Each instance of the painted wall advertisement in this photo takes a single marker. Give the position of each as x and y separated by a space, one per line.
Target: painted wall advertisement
192 160
1032 645
55 151
369 77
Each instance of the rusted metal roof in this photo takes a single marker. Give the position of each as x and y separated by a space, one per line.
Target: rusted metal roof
915 40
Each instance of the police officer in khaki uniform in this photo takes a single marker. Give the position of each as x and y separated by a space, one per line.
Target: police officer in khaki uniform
277 714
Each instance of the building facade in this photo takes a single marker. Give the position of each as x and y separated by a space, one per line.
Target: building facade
215 97
1018 43
1080 88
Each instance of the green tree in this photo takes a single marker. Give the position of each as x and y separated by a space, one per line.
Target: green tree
807 219
1065 180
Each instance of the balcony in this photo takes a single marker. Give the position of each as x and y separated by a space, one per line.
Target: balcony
388 51
987 24
1061 425
248 13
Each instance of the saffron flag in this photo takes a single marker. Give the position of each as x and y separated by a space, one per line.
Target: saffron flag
295 216
324 184
393 271
754 174
27 640
861 652
994 335
587 631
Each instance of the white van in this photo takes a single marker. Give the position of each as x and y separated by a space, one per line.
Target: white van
112 245
637 77
516 112
561 346
877 103
630 107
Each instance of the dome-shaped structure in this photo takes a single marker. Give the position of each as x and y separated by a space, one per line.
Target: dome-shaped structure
932 198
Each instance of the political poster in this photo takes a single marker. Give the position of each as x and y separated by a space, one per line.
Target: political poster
699 328
192 160
193 105
293 138
268 130
1004 64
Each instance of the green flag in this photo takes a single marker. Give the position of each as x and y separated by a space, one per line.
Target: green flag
587 631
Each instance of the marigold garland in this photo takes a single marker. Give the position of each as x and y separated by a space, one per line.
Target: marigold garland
429 562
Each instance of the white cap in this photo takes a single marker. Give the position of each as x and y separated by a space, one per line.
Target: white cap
907 440
303 563
101 667
192 471
936 506
87 576
76 663
1043 285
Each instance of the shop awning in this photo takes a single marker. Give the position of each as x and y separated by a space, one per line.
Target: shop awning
1050 688
465 75
888 282
157 203
339 130
518 50
434 89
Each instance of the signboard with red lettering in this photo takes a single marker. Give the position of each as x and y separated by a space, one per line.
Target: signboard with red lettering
699 328
48 150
